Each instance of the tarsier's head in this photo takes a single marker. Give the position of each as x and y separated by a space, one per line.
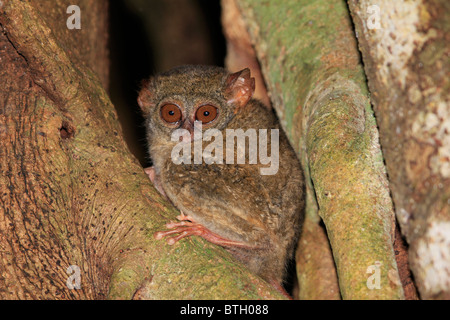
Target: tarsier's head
187 95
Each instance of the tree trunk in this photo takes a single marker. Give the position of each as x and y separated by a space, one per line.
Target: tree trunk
405 46
71 194
316 82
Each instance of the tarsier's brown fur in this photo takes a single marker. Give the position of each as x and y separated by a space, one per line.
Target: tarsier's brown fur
260 213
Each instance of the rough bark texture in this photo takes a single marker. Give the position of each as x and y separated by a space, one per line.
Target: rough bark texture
407 63
316 83
70 191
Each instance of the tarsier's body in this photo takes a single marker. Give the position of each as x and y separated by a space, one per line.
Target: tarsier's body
256 217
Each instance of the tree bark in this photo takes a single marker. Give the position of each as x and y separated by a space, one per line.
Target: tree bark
405 46
317 86
71 194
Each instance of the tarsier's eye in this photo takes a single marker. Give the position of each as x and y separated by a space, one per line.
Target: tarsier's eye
206 113
171 113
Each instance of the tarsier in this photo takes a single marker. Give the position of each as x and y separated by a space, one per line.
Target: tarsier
254 216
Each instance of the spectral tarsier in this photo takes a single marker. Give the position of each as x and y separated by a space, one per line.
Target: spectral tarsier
254 214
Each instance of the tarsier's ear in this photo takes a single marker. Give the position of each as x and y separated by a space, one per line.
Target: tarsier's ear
239 88
145 98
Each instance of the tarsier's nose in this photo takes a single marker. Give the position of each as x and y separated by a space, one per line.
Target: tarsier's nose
189 126
192 128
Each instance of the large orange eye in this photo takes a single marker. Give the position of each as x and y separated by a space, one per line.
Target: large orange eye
170 113
206 113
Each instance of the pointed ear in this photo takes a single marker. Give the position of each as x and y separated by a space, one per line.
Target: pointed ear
239 89
146 95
